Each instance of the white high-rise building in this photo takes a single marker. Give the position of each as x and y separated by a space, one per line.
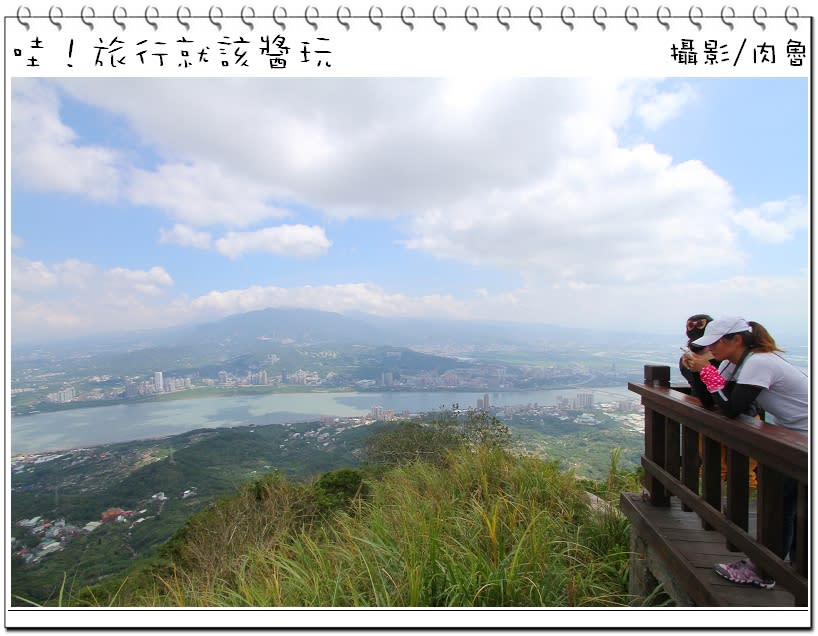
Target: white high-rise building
65 395
584 401
157 382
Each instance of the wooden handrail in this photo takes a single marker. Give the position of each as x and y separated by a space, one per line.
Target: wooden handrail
768 443
682 458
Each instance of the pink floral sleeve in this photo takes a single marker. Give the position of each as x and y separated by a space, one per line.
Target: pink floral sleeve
712 378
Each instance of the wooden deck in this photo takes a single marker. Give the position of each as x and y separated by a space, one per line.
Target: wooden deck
688 552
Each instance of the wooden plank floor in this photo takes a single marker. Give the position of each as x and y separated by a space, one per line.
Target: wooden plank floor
701 549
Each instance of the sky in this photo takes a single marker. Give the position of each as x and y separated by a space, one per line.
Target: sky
614 204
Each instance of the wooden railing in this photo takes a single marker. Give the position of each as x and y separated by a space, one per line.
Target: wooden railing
683 458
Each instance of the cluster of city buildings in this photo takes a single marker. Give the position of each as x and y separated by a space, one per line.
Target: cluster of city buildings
474 377
225 378
483 403
493 377
62 396
378 413
158 384
581 402
465 378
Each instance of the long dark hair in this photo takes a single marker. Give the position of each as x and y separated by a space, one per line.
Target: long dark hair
759 339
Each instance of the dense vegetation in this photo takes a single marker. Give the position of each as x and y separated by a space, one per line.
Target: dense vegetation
441 515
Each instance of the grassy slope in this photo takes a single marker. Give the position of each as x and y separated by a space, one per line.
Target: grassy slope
487 529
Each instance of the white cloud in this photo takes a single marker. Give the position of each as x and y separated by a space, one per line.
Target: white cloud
657 108
16 242
774 221
119 299
587 223
290 240
362 297
527 174
287 240
47 155
149 282
28 275
77 275
186 236
74 297
781 303
364 146
203 193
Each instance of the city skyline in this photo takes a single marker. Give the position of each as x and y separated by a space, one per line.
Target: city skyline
622 205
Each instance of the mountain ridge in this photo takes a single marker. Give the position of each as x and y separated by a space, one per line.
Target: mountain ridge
311 326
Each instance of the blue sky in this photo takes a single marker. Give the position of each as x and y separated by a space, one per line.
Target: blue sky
595 203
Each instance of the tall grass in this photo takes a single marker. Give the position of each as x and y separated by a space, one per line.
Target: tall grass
487 529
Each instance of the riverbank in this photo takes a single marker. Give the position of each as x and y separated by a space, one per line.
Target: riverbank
204 392
195 393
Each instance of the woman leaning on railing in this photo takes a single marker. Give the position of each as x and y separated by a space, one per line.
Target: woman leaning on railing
753 373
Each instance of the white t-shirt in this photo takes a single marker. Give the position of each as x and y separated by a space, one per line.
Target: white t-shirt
784 387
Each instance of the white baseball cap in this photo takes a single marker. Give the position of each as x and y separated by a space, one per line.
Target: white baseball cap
721 327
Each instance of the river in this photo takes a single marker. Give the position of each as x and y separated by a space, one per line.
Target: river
124 422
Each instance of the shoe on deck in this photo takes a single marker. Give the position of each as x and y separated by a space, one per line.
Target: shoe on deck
743 572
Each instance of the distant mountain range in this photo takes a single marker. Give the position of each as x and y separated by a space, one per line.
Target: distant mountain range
311 327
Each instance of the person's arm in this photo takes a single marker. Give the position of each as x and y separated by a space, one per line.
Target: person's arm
739 401
734 402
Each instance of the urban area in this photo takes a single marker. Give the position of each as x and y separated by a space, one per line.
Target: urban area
479 377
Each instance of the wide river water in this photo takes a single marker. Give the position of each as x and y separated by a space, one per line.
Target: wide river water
124 422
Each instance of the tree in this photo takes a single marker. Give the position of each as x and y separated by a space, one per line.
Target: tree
432 440
411 441
483 430
337 488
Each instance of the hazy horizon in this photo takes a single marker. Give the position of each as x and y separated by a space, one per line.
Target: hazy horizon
106 336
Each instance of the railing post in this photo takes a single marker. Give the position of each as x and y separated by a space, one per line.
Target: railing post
801 538
690 461
673 452
655 429
738 491
657 375
770 509
711 476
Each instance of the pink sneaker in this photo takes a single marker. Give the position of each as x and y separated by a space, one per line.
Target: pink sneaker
743 572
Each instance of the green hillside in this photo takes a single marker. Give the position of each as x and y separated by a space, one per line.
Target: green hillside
79 485
442 515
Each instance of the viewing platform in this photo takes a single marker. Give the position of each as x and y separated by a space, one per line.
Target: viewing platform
688 518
